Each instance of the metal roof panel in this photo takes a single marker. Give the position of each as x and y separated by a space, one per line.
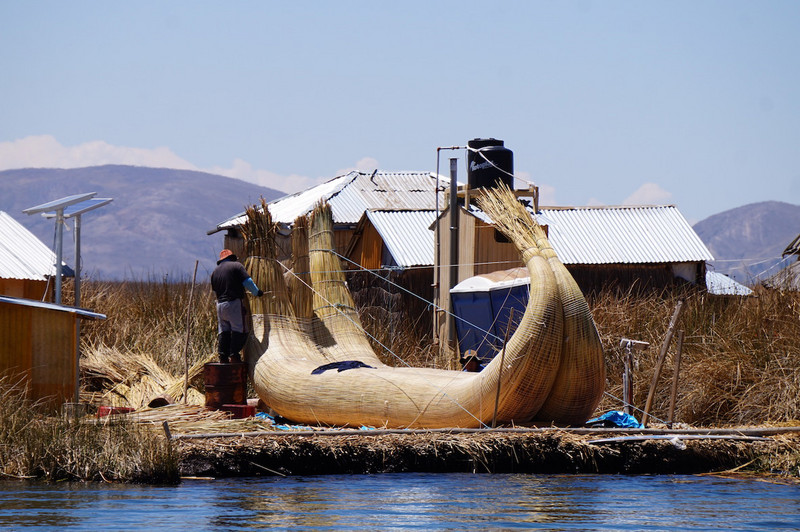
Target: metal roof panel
22 254
623 235
82 312
352 194
406 234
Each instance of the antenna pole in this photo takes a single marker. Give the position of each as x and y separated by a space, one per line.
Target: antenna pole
59 247
453 243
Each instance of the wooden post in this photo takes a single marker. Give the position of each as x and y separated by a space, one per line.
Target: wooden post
674 392
188 336
660 362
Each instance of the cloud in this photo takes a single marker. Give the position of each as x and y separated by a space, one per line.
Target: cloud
594 202
648 194
44 151
365 164
245 171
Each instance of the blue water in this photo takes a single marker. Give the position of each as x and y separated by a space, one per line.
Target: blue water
408 502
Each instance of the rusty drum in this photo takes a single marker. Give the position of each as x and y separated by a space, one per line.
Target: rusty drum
226 384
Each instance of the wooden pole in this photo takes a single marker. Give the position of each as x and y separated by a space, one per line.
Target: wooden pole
660 362
502 361
674 392
188 336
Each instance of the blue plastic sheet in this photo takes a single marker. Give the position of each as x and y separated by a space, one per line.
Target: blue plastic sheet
615 418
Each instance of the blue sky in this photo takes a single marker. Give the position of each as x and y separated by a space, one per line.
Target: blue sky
684 102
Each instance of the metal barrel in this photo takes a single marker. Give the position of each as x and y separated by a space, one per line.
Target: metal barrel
225 384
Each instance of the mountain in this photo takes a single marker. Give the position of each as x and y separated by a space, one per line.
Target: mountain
155 226
747 241
159 218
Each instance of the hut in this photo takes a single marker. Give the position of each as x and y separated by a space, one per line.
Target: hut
39 347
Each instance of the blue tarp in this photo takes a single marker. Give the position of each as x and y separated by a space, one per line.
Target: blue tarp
615 418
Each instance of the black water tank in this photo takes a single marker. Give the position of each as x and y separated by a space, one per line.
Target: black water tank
490 164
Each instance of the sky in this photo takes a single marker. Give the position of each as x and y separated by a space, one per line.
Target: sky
692 103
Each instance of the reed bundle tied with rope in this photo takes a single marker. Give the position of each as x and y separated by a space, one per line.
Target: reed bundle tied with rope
580 381
289 356
299 279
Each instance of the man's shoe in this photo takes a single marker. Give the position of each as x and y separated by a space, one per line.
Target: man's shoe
224 359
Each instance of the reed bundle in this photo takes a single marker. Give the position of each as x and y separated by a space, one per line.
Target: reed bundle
337 327
259 236
580 379
299 279
194 419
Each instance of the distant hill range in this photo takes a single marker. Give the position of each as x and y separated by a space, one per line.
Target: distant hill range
155 226
747 241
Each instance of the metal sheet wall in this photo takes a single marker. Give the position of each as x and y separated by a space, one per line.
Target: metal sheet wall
39 345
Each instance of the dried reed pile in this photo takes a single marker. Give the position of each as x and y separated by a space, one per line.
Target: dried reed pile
33 445
114 378
286 352
193 419
150 316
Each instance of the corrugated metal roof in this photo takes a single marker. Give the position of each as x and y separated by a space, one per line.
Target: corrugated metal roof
619 235
406 234
623 235
721 285
352 194
22 255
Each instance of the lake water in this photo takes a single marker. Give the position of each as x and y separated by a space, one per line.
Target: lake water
408 501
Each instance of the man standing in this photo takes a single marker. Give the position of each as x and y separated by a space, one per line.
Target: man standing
229 279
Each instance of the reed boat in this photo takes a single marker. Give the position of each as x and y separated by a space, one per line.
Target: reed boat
311 361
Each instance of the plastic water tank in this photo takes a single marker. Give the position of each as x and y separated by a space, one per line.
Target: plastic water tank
489 162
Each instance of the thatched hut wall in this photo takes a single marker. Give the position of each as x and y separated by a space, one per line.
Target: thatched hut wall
396 298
